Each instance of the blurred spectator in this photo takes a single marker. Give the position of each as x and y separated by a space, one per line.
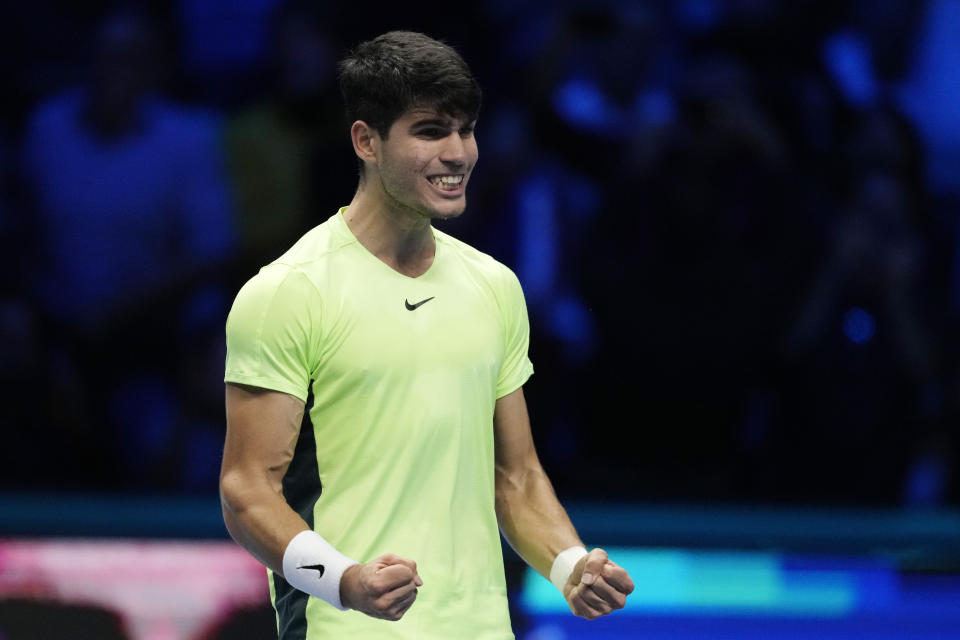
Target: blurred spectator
863 371
133 219
126 185
707 239
284 154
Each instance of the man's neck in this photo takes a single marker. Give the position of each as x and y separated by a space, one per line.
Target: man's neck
402 239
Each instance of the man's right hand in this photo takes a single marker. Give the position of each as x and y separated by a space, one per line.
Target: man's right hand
383 588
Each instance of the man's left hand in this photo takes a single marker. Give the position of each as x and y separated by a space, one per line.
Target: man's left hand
597 586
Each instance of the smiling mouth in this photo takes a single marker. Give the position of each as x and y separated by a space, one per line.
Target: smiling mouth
447 182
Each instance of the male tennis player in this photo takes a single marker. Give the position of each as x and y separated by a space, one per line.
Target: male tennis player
414 346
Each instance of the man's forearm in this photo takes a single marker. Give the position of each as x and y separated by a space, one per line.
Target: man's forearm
531 517
260 521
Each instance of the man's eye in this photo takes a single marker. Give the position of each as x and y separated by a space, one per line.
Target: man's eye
433 132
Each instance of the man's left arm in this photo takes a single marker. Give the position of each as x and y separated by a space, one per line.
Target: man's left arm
537 526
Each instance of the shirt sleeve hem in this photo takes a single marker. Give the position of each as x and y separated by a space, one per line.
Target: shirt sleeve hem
515 383
273 384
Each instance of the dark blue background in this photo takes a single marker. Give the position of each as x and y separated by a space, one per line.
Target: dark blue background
735 222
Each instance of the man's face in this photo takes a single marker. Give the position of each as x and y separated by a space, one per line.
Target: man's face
425 163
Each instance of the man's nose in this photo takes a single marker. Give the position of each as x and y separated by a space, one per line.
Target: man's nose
454 149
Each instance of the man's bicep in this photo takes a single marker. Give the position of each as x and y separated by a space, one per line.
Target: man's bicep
262 430
511 430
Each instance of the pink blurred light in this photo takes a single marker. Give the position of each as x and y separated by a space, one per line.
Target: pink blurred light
162 590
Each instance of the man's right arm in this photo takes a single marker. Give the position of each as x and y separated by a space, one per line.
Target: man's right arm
262 431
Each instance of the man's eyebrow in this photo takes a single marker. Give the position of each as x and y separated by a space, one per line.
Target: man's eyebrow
444 122
436 121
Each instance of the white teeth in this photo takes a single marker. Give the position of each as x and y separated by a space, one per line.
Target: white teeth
447 180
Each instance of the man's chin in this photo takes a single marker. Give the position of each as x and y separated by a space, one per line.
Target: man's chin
449 213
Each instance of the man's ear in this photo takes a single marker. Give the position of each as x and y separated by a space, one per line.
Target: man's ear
365 141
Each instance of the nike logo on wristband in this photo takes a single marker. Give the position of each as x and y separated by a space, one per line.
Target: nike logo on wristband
315 567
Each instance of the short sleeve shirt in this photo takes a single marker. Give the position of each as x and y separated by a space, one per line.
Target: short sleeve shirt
405 373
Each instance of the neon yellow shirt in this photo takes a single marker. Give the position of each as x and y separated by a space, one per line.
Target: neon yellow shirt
402 417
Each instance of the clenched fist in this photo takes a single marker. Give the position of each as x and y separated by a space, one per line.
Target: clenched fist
597 586
382 588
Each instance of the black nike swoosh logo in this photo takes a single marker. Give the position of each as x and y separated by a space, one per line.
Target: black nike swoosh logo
411 307
315 567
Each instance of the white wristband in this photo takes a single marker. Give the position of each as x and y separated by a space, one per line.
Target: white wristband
312 565
563 565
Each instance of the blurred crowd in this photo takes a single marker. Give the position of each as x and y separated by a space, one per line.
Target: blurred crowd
735 221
